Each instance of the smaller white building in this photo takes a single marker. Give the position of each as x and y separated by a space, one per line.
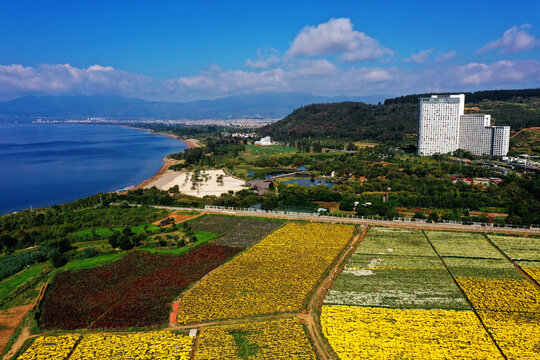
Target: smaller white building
265 141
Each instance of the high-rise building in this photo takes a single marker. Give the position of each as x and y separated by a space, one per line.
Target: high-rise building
443 127
438 123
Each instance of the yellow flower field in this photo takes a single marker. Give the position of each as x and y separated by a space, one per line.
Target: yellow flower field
517 334
501 294
144 345
380 333
50 347
533 272
274 276
278 339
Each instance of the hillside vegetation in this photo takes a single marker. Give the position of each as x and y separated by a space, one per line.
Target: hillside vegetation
396 118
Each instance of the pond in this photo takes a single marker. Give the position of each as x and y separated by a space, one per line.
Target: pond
308 182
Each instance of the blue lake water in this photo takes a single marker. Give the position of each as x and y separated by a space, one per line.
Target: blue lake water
308 182
47 164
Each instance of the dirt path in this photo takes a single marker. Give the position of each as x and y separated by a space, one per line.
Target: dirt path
23 336
9 320
311 317
531 128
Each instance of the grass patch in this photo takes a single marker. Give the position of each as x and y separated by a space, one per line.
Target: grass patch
108 231
12 283
202 237
246 349
272 149
92 262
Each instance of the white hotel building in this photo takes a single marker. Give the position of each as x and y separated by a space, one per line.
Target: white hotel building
443 127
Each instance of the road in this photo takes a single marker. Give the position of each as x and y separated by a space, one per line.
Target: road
370 222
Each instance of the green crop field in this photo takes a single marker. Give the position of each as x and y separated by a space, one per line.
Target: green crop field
237 231
471 245
518 248
395 242
272 149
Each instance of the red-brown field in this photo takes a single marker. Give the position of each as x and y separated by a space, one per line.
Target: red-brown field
134 291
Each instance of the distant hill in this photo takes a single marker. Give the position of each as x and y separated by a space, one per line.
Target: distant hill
346 120
398 117
472 97
262 105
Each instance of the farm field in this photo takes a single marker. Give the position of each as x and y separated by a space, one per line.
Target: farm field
518 248
237 231
276 339
134 291
391 294
532 268
401 294
149 345
378 333
274 276
271 149
396 269
469 245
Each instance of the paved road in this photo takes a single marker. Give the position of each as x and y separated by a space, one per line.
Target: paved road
345 220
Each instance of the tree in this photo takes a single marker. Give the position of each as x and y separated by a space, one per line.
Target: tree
113 239
58 259
125 242
433 217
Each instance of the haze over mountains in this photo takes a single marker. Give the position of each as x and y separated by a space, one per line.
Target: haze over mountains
261 105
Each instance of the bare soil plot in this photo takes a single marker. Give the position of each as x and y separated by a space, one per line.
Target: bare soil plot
9 320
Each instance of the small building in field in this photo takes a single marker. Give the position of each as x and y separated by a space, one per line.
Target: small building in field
265 141
260 186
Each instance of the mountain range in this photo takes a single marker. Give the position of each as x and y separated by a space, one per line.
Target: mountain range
261 105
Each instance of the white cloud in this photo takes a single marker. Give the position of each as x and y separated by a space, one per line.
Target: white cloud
504 72
65 79
264 61
445 56
513 40
337 37
315 67
420 57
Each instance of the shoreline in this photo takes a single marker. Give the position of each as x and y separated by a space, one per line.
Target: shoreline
191 143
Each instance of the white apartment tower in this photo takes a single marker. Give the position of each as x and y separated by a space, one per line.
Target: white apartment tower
443 127
438 124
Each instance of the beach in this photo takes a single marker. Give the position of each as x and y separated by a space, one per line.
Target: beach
201 184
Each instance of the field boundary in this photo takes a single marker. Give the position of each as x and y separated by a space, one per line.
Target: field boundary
465 297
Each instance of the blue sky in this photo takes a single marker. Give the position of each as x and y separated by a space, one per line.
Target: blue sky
179 50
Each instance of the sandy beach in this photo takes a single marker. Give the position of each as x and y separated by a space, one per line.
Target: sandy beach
207 183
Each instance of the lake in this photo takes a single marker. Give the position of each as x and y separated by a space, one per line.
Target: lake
47 164
308 182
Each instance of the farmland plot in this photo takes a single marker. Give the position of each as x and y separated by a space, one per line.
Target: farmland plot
134 291
518 248
532 268
148 345
235 230
278 339
516 333
378 333
274 276
381 241
470 245
482 268
398 279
